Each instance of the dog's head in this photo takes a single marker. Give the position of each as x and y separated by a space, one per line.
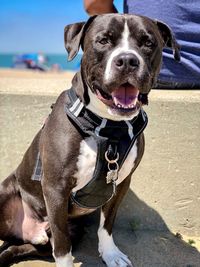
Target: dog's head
122 55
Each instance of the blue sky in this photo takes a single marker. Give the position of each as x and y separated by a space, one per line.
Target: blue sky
37 25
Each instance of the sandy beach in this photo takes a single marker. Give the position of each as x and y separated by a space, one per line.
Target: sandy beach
164 197
34 82
13 81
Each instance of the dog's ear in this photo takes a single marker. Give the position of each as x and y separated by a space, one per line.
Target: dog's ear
74 35
169 39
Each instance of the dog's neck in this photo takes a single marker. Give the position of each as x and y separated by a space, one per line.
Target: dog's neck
99 108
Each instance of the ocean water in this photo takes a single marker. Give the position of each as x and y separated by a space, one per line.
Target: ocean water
7 60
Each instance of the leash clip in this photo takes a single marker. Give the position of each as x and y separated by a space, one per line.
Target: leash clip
113 169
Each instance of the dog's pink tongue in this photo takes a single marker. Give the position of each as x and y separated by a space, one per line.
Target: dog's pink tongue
125 96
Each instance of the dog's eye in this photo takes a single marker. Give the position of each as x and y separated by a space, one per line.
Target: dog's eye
148 43
104 41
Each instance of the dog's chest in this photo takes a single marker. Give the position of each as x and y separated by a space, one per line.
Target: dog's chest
87 160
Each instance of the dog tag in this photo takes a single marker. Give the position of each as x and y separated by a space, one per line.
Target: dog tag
112 176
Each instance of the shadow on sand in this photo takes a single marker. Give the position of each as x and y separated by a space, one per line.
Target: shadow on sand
141 233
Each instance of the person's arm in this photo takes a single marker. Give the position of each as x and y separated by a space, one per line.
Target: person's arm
93 7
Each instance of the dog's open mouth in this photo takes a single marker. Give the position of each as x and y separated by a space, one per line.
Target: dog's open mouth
125 98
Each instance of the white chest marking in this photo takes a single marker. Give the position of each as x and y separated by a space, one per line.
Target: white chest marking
87 160
128 164
86 163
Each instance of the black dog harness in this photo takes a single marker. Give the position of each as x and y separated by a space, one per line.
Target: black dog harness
114 140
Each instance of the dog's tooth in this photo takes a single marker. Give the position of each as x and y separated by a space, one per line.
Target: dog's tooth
131 106
119 106
115 101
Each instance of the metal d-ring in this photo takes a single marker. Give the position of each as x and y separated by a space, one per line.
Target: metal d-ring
114 168
111 161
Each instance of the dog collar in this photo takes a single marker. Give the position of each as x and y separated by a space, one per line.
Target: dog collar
114 140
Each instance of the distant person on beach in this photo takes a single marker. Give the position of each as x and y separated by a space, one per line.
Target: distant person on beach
34 61
42 61
184 18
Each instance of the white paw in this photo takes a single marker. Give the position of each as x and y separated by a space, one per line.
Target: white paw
40 239
116 258
65 261
109 252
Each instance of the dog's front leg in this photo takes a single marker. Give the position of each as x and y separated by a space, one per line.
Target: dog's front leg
109 252
56 198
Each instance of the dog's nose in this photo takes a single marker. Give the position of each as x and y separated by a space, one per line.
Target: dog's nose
126 61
